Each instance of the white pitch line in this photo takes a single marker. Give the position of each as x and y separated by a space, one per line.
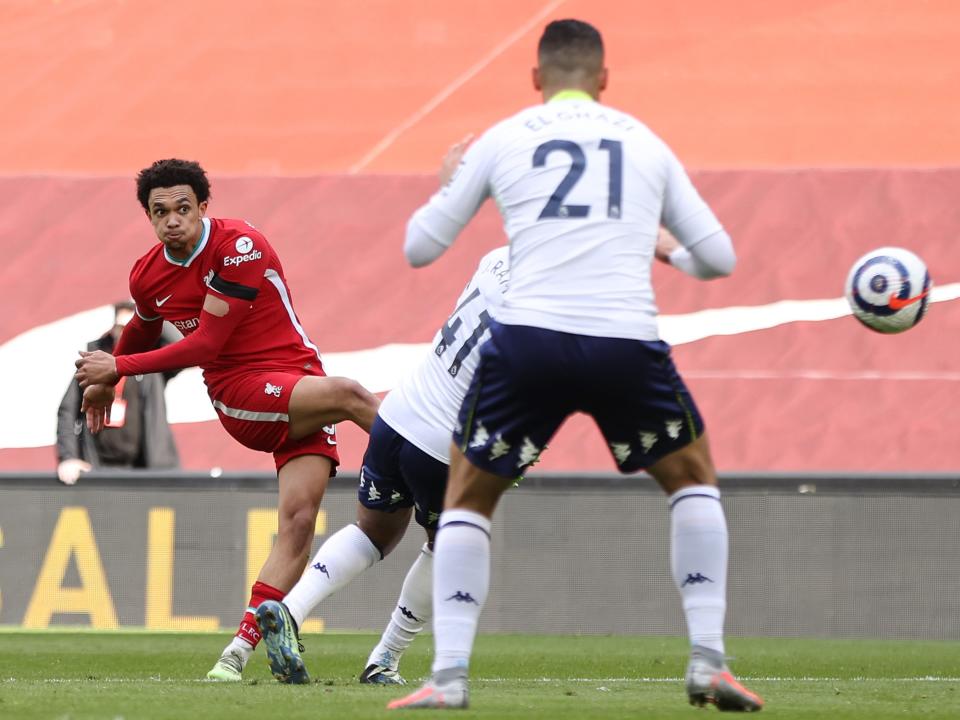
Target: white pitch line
544 680
450 89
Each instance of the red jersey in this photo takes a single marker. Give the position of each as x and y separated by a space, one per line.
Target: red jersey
233 259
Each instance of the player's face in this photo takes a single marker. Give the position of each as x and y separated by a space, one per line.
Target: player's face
176 215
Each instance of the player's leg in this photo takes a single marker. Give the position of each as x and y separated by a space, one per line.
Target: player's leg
461 581
699 548
317 402
509 413
302 482
254 408
651 421
344 556
427 479
412 612
383 512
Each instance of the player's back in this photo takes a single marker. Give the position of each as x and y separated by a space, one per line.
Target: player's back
424 406
582 188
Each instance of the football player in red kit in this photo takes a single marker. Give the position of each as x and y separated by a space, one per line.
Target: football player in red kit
221 283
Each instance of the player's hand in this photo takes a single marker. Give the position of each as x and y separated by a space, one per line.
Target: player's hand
666 244
69 470
96 368
451 161
97 401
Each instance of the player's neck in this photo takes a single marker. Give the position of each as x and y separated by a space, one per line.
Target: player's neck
567 93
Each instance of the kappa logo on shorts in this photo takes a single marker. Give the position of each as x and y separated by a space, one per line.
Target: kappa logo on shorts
648 440
395 497
372 493
528 453
480 437
621 451
500 447
271 389
673 428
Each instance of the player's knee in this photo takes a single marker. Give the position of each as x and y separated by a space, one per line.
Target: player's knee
684 468
359 402
363 397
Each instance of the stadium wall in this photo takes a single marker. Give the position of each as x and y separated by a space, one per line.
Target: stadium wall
830 556
786 381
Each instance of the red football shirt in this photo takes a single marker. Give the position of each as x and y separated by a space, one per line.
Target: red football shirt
234 260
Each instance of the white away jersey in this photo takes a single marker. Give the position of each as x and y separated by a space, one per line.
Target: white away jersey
423 408
583 190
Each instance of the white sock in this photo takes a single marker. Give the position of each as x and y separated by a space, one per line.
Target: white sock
461 578
344 555
413 611
241 647
698 560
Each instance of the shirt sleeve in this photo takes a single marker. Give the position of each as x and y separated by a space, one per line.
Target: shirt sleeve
434 227
712 257
239 266
685 214
199 348
139 335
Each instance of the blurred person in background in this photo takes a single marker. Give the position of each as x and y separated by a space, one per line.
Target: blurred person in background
137 436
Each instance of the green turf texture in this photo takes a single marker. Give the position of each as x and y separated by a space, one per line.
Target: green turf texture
81 675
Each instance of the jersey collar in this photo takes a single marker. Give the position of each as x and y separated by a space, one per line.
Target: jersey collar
571 95
204 236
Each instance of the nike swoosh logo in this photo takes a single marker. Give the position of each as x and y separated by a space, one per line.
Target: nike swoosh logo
898 304
161 302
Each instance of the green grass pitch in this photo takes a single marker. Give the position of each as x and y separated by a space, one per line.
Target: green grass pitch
85 675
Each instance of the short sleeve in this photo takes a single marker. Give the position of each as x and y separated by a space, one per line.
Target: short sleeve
239 265
142 305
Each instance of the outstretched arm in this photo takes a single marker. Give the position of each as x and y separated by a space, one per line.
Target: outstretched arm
139 335
699 245
464 185
218 319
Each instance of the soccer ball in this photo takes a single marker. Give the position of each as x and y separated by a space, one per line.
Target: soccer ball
888 289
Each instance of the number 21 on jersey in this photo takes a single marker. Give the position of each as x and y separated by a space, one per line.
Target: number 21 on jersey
555 207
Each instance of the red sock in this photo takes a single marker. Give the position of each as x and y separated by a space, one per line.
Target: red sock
248 626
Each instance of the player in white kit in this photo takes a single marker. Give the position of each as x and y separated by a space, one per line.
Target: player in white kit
583 190
405 467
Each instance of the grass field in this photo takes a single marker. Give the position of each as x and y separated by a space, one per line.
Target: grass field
81 675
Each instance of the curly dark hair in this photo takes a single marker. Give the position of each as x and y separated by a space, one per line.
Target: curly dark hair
167 173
